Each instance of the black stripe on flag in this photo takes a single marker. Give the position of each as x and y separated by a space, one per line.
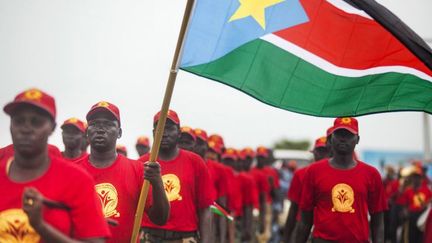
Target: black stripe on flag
398 28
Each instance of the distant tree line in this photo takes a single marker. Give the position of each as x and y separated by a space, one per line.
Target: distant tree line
290 144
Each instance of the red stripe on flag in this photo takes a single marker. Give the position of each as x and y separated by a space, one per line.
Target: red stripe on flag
348 40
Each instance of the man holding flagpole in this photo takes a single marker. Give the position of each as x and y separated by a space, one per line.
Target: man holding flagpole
188 187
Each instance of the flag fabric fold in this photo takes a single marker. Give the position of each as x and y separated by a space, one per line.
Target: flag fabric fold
318 57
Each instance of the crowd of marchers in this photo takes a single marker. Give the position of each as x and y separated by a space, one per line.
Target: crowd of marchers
200 190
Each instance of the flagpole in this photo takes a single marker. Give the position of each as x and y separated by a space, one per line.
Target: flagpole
163 114
427 142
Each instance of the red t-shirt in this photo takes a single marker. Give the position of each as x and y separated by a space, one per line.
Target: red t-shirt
187 182
416 200
262 182
342 198
427 237
217 175
294 191
235 196
118 187
272 172
392 190
248 190
64 183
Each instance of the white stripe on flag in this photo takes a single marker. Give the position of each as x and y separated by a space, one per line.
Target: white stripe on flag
342 5
336 70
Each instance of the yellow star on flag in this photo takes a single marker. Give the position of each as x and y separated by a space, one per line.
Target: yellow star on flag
255 9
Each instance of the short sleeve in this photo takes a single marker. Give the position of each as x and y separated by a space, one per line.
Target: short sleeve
247 191
204 196
377 201
86 211
221 183
307 199
294 191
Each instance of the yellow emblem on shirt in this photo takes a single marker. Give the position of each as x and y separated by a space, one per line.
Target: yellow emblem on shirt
109 199
419 200
342 198
172 187
15 227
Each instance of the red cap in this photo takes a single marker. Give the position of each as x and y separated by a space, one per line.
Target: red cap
33 97
216 147
189 131
329 131
121 148
417 163
262 151
230 153
320 142
104 106
199 133
82 126
348 123
143 140
417 170
172 115
217 139
247 152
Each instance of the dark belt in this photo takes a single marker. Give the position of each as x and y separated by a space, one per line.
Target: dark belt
319 240
169 234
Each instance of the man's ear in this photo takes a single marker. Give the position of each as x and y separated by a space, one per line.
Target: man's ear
358 139
120 131
54 125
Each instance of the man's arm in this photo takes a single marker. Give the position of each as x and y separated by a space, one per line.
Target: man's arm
290 222
377 226
222 221
205 223
247 223
304 227
32 206
262 208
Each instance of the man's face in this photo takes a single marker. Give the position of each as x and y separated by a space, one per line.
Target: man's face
103 131
320 153
170 136
343 142
229 162
142 149
416 180
200 147
30 129
239 165
72 137
247 163
261 161
210 154
186 142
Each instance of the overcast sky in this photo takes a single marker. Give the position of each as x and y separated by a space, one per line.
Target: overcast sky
84 51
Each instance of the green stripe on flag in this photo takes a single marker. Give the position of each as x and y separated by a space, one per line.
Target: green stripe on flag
279 78
216 209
